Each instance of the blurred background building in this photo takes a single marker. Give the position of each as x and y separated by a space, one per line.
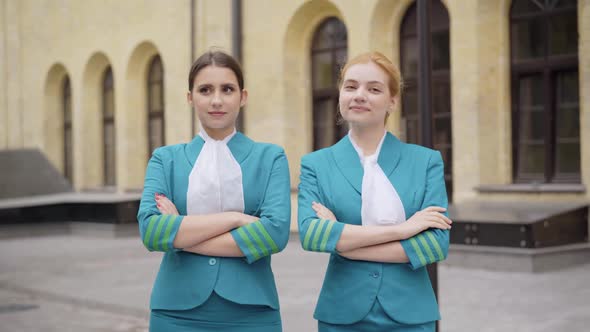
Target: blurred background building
97 85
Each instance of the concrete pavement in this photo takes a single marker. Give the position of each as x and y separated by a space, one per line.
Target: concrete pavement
93 281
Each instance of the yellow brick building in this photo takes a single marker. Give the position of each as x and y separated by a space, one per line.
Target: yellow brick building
78 73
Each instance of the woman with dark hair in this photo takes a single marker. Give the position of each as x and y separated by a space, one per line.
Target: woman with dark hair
378 206
217 207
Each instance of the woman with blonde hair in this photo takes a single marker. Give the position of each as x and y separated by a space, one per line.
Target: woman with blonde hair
378 206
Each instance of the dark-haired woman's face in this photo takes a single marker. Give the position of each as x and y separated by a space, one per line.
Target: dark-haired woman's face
216 98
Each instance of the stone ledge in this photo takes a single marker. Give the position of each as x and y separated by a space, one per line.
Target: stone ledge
518 260
531 188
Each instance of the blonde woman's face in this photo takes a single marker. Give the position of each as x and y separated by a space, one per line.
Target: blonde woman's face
364 95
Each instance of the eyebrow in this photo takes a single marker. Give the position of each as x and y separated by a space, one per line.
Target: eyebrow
370 82
208 85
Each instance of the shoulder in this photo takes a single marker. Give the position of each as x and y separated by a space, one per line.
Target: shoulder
267 151
317 157
169 151
421 153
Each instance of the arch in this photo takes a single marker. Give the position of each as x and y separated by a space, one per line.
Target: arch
88 129
53 115
384 37
135 117
297 69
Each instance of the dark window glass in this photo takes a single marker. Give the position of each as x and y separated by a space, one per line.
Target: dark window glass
155 97
328 55
108 111
441 83
67 113
546 116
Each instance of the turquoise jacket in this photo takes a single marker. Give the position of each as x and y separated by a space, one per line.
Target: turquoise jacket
185 280
333 177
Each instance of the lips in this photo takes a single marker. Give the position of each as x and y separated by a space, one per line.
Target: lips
217 114
359 109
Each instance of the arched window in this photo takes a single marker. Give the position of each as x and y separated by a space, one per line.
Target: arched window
108 113
155 104
545 101
328 55
441 83
67 114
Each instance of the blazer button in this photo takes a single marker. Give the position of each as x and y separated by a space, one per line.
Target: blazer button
375 275
212 261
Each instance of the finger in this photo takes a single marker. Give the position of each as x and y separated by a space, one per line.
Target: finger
442 216
315 208
435 209
440 221
438 225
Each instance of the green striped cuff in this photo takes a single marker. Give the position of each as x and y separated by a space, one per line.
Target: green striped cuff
254 241
322 235
422 249
161 231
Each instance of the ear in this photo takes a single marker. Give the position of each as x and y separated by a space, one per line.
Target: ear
189 98
244 98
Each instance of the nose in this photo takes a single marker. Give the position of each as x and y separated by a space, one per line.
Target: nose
216 101
359 95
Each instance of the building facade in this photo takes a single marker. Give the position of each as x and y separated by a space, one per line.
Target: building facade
97 85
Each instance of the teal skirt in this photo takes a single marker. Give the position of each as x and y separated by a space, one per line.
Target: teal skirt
377 320
217 314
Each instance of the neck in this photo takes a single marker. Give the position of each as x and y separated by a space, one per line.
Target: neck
367 138
218 134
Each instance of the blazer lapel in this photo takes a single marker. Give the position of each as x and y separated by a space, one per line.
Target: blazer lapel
390 154
193 148
348 161
240 146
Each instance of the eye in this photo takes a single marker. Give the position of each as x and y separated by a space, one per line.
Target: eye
375 90
349 87
204 90
228 89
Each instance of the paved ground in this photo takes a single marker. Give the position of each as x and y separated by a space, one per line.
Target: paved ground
95 282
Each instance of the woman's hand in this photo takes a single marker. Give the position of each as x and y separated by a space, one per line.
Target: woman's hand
322 211
165 206
431 217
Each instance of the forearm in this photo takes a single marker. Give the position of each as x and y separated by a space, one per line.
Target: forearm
221 246
391 252
355 237
195 230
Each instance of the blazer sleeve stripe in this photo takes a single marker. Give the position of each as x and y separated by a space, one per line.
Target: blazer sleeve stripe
156 240
427 248
167 235
316 237
436 246
418 251
148 234
267 237
308 234
248 243
326 235
257 239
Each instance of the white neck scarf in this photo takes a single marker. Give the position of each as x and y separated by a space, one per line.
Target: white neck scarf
381 204
215 182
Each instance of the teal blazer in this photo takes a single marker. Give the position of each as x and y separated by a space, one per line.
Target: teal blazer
333 177
185 280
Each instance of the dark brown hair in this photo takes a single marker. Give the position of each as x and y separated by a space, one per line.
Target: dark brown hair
217 59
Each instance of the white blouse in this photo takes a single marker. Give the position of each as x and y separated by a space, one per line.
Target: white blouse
381 204
215 182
